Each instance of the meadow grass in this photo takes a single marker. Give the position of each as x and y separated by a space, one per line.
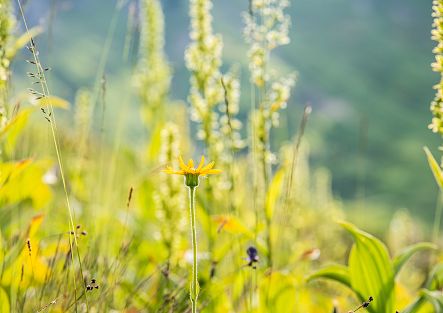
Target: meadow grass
93 226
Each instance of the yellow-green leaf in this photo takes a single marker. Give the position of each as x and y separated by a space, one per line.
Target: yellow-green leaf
370 270
13 129
231 225
274 192
53 101
435 168
4 301
21 41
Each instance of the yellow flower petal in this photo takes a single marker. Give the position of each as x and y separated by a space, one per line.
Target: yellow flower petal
190 170
209 166
202 162
170 170
191 164
182 164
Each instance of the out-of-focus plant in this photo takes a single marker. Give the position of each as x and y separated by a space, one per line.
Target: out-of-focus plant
437 104
5 27
9 46
266 28
437 35
169 198
153 77
203 59
23 186
370 270
230 125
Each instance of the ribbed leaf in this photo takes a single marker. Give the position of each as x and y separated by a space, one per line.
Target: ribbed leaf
371 272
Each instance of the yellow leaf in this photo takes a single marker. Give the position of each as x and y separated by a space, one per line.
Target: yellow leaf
21 41
231 225
14 128
17 185
34 225
4 301
54 101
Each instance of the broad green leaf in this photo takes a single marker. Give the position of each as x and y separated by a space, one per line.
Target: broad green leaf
274 191
408 252
435 168
370 269
336 272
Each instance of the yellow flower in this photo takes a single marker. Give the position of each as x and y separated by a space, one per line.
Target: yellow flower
190 172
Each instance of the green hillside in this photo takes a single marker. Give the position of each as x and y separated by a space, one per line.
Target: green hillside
364 66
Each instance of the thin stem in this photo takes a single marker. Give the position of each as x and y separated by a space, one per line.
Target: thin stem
437 217
266 167
194 285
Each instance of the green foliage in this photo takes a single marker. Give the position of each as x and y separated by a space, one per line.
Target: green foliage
154 73
370 271
124 245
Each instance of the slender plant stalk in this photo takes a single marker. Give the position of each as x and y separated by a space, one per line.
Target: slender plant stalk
194 284
437 217
266 167
51 119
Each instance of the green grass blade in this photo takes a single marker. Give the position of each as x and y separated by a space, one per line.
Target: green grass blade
435 168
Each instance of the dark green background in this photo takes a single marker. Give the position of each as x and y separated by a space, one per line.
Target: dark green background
363 65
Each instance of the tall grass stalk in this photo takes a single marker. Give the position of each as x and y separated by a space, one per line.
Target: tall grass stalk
53 125
266 28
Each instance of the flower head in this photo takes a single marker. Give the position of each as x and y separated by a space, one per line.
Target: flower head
190 172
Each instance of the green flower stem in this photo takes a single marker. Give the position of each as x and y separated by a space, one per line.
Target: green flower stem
194 284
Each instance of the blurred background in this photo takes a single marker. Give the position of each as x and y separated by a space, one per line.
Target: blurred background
363 65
